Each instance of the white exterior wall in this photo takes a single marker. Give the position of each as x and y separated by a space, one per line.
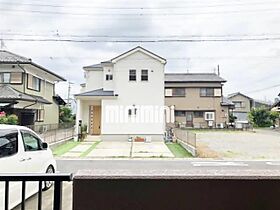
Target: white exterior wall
94 80
138 93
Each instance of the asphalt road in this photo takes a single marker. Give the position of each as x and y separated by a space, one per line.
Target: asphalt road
191 165
72 166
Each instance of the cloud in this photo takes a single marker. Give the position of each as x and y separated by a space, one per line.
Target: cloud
247 66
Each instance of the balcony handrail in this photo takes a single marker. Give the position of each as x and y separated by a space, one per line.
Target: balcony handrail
13 177
27 177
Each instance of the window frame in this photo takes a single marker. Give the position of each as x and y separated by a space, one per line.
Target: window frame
145 77
109 77
178 95
39 141
196 115
209 119
16 144
182 113
31 88
41 118
207 93
130 75
10 78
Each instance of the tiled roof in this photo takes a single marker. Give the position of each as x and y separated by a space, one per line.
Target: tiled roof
193 77
12 58
9 93
226 102
98 92
8 57
238 93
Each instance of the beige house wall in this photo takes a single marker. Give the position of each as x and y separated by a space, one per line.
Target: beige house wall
47 91
194 102
245 102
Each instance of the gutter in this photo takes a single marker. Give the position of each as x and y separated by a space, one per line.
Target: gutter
36 101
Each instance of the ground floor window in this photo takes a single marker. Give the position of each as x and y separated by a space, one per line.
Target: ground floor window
40 115
180 113
209 116
198 114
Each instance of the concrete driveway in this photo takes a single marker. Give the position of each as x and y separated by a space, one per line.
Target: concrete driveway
261 144
107 149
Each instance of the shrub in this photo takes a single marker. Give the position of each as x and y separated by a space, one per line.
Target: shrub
8 119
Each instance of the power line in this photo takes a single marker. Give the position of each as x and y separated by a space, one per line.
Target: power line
109 15
144 41
263 89
141 7
138 36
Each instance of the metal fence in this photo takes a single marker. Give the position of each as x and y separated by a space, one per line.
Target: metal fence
23 178
52 133
185 136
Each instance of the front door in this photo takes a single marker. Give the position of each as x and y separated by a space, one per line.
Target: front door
189 119
95 120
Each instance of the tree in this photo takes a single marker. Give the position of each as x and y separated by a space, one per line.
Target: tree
261 117
66 115
274 116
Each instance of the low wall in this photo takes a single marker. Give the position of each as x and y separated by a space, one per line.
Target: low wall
191 149
121 191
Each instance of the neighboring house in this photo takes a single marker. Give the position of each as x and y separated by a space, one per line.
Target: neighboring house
28 90
243 105
197 99
276 105
261 104
119 88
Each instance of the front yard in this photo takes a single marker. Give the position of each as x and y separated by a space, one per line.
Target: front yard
122 149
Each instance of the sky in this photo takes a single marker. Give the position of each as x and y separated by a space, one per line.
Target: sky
251 67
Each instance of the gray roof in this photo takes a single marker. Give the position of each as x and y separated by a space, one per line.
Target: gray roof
7 57
8 93
192 77
98 92
98 65
238 93
226 102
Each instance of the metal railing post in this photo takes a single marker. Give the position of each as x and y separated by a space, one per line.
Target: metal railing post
57 200
7 195
23 187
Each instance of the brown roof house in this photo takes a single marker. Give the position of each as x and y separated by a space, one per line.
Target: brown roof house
28 90
197 99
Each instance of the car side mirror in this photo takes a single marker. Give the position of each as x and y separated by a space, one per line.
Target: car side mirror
45 145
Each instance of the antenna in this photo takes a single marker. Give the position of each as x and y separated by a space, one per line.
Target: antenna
2 44
218 68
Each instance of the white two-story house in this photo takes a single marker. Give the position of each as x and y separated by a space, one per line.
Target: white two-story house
124 97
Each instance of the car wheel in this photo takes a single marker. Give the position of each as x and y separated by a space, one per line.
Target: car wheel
48 184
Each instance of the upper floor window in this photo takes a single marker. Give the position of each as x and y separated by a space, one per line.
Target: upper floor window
144 75
210 92
11 77
132 75
176 92
238 104
33 82
109 77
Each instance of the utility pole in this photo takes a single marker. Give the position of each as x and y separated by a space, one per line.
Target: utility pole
69 90
218 68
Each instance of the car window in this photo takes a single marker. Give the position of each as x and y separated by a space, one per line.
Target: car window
8 142
31 142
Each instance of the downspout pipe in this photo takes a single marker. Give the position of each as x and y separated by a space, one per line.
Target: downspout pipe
36 101
24 76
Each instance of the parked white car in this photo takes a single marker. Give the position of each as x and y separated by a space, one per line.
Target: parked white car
23 151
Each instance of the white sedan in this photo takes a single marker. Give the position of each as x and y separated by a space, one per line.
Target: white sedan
23 151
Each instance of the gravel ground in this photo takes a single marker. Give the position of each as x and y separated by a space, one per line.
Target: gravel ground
258 145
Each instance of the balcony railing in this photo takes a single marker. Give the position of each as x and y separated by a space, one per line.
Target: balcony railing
23 178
